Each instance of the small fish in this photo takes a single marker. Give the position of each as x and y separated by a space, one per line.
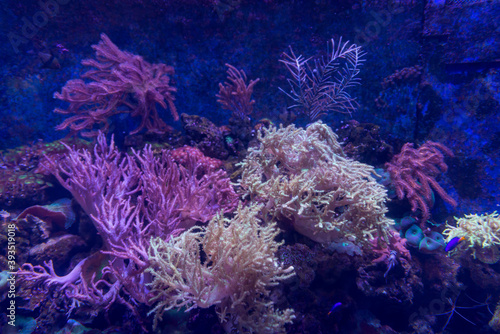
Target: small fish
335 308
453 243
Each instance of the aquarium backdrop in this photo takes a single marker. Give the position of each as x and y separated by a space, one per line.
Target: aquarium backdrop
249 166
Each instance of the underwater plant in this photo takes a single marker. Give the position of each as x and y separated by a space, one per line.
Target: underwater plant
322 87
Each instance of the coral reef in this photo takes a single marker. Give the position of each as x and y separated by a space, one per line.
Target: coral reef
130 198
23 180
362 142
209 138
155 223
184 155
481 232
58 214
59 249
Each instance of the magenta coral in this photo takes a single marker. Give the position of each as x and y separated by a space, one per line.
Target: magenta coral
119 82
183 194
395 242
50 278
413 174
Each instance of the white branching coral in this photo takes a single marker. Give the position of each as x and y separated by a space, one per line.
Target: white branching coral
230 264
303 175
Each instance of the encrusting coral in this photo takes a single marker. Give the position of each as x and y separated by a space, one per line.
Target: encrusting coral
231 264
303 175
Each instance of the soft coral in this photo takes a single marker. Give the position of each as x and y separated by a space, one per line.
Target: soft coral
120 82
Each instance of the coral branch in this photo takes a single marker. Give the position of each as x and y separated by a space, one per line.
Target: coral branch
302 175
132 198
239 267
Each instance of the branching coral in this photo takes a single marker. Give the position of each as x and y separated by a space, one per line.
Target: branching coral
230 264
188 193
303 175
235 95
479 231
119 82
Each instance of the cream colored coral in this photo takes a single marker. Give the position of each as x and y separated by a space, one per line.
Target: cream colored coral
479 230
230 264
303 175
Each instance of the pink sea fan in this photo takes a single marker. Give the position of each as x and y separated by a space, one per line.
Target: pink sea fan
235 94
119 82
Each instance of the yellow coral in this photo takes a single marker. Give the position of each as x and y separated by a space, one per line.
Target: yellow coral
303 175
478 230
495 320
230 264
